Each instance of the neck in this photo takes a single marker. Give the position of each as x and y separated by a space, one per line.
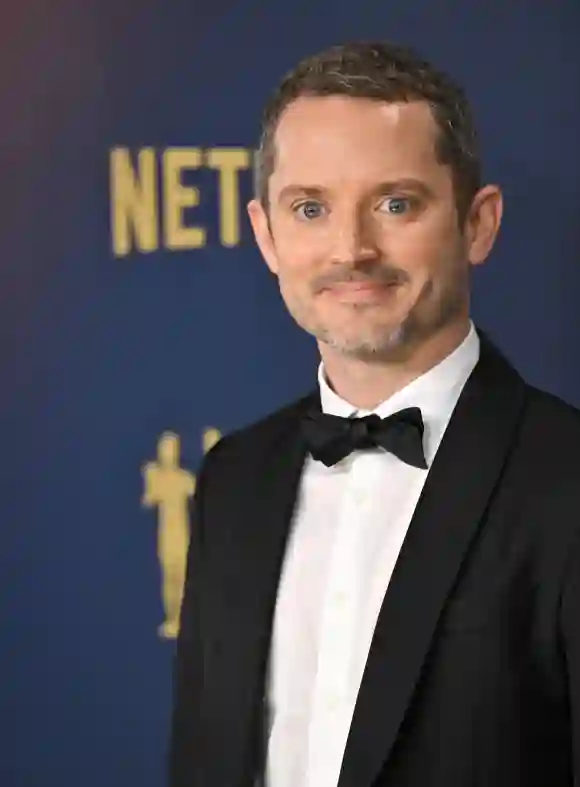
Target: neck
366 385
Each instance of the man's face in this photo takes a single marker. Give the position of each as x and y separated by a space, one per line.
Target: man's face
362 227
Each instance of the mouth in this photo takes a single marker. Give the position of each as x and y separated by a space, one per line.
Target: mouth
362 290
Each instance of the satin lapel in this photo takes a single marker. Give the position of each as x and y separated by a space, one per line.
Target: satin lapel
257 526
459 485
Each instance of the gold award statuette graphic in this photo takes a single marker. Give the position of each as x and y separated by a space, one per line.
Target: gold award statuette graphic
169 488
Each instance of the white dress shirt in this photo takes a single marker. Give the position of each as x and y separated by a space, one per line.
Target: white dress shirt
349 525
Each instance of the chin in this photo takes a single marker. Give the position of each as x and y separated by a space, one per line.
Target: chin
370 346
356 333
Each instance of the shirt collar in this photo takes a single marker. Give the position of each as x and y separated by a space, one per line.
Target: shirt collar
436 392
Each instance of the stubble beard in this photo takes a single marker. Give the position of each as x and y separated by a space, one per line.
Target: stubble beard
388 344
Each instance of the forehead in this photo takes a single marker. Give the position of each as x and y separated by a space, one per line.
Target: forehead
331 138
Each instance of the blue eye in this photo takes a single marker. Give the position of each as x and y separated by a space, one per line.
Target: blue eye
397 205
309 210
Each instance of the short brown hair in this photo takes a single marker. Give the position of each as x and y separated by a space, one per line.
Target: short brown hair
386 72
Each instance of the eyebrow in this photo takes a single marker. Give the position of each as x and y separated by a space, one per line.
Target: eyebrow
388 187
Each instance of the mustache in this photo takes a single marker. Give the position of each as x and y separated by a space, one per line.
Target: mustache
368 272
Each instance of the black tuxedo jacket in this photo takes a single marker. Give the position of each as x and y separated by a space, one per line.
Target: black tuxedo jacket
473 677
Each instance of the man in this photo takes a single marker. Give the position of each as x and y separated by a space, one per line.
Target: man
384 578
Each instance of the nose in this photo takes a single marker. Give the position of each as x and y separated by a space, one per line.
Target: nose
353 238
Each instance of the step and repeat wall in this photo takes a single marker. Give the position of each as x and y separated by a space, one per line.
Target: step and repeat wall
138 322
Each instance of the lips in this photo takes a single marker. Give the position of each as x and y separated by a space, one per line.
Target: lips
355 286
357 291
361 286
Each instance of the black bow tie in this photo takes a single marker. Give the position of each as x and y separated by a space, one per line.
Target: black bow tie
331 438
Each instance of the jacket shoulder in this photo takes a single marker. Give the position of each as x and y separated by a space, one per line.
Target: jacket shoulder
552 414
252 440
548 445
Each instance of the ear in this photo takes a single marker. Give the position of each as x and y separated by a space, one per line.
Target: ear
483 223
262 234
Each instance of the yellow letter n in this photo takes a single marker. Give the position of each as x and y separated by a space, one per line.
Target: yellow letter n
133 202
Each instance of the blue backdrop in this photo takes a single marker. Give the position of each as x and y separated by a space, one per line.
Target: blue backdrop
134 306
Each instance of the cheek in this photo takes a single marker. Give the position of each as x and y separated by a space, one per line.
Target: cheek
299 242
294 279
298 261
295 240
421 246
